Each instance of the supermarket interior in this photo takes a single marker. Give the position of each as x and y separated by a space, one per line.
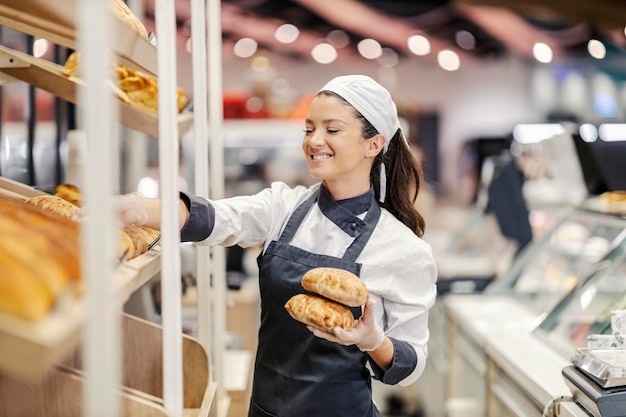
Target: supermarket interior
515 110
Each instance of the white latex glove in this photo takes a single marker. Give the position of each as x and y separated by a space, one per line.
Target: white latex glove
366 334
130 209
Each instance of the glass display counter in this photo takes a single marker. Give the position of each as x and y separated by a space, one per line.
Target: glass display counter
551 266
541 275
586 310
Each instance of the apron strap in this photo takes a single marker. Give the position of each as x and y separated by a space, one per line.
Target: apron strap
297 217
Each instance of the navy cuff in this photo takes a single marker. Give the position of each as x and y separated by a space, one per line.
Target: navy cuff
403 363
201 219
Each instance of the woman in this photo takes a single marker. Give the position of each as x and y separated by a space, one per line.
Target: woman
361 218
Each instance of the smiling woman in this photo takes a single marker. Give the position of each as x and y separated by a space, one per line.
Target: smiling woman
361 219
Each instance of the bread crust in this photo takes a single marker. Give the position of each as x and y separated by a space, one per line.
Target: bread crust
336 284
319 312
55 204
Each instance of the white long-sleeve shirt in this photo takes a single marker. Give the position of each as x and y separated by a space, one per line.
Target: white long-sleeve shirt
397 266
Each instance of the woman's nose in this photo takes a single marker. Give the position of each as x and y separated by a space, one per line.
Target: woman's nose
316 139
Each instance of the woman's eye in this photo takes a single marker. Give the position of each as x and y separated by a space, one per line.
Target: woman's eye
307 131
332 130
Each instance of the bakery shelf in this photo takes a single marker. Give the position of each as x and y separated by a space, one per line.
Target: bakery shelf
28 349
54 20
142 367
49 76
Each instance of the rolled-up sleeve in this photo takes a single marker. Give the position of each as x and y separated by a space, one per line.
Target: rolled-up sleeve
201 219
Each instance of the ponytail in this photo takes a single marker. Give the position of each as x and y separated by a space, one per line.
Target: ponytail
404 179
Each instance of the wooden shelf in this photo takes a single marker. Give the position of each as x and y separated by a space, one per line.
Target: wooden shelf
55 20
49 76
28 349
59 391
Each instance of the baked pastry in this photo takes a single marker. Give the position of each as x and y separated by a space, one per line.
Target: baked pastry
613 201
142 237
69 193
319 312
336 284
133 87
54 204
40 257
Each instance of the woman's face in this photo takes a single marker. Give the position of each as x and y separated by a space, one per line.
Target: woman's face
336 152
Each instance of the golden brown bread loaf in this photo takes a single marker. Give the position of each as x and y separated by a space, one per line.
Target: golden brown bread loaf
40 256
319 312
133 87
69 193
142 237
54 204
336 284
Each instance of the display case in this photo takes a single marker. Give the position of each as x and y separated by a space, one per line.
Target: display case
553 264
586 310
547 269
525 369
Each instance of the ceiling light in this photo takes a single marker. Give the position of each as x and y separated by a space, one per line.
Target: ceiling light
324 53
245 47
286 33
542 52
388 58
338 38
596 49
465 39
369 48
448 60
418 44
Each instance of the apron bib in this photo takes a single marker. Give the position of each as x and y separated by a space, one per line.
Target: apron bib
296 373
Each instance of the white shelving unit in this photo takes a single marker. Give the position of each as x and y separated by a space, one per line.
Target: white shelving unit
172 375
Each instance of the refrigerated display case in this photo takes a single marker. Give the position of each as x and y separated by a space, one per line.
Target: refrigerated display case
587 309
547 269
527 370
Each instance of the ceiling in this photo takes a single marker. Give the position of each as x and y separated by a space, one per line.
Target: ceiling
498 27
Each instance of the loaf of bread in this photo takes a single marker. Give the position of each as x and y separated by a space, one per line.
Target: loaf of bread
55 205
69 193
40 257
319 312
336 284
142 237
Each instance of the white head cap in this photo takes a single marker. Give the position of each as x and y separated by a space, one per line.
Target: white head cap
371 99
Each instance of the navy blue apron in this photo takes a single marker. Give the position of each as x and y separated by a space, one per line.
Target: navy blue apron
296 373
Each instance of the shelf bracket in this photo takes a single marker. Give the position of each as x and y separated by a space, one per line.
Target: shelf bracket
8 60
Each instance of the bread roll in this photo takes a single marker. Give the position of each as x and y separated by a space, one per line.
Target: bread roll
69 193
319 312
336 284
39 255
142 237
54 204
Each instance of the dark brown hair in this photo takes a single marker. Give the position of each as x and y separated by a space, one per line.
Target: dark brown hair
404 175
